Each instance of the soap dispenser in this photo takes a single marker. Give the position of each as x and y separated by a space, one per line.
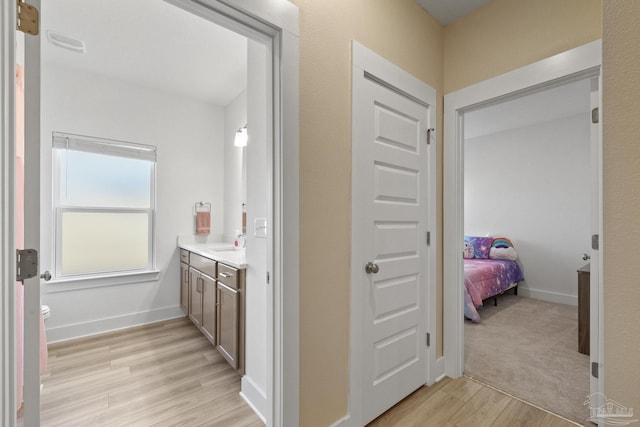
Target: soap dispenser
240 241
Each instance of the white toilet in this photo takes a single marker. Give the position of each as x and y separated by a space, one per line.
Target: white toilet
46 312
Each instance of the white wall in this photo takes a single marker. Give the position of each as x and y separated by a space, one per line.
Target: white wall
254 382
235 117
189 136
532 186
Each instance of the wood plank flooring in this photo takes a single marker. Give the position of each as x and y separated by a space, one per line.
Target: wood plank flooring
168 374
164 374
464 402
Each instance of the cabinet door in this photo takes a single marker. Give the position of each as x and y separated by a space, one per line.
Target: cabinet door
184 287
195 298
227 330
209 307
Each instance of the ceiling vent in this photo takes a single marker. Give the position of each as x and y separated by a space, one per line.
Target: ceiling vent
66 42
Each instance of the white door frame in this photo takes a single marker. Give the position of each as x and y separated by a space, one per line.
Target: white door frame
7 214
276 23
580 63
365 61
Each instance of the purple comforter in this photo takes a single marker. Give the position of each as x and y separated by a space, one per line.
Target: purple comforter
484 278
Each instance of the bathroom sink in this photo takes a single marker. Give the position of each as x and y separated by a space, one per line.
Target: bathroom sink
220 248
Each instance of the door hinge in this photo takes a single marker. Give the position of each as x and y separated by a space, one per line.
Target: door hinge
268 278
428 339
595 242
428 238
594 369
430 131
595 116
26 264
28 19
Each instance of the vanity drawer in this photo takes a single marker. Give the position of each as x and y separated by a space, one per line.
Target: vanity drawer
205 265
228 276
184 256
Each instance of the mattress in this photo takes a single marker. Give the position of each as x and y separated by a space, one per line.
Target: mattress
484 278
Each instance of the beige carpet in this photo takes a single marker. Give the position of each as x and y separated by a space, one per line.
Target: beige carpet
529 348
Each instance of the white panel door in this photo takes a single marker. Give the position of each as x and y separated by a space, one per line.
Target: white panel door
391 162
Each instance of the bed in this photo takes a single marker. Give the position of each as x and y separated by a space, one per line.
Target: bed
486 277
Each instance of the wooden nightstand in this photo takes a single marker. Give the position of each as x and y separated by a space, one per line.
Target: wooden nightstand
584 308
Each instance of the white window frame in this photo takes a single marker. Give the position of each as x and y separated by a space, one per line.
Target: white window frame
61 141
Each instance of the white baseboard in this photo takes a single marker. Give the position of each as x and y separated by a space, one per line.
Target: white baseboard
343 422
548 296
439 374
440 369
254 396
100 326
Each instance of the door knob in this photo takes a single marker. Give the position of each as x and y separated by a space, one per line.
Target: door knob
371 268
46 276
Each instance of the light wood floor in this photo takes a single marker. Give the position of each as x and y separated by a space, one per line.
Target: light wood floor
168 374
464 402
165 374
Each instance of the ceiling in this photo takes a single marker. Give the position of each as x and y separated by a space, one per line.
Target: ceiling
447 11
150 43
540 107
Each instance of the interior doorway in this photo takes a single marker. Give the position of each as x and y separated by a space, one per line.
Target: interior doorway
277 34
527 173
582 63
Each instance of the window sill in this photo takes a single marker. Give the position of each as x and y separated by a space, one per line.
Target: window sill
76 283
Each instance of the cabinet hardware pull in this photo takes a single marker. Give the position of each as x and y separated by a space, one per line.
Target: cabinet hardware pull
222 287
225 275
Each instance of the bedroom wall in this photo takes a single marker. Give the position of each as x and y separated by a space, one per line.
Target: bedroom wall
404 33
531 185
189 137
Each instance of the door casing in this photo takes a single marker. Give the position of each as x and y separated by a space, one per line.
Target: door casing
365 61
583 62
7 215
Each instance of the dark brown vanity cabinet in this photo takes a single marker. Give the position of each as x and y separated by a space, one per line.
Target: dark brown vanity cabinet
212 294
230 328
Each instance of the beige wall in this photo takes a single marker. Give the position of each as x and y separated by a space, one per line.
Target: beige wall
508 34
402 32
621 162
499 37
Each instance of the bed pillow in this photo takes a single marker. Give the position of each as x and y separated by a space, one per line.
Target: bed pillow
480 245
468 250
502 248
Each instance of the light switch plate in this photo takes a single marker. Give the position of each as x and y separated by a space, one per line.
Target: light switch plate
260 227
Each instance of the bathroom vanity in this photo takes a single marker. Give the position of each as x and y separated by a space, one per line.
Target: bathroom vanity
212 294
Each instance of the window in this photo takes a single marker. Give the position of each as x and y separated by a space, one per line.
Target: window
104 203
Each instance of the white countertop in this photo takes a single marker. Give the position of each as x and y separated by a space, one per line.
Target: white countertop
221 252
